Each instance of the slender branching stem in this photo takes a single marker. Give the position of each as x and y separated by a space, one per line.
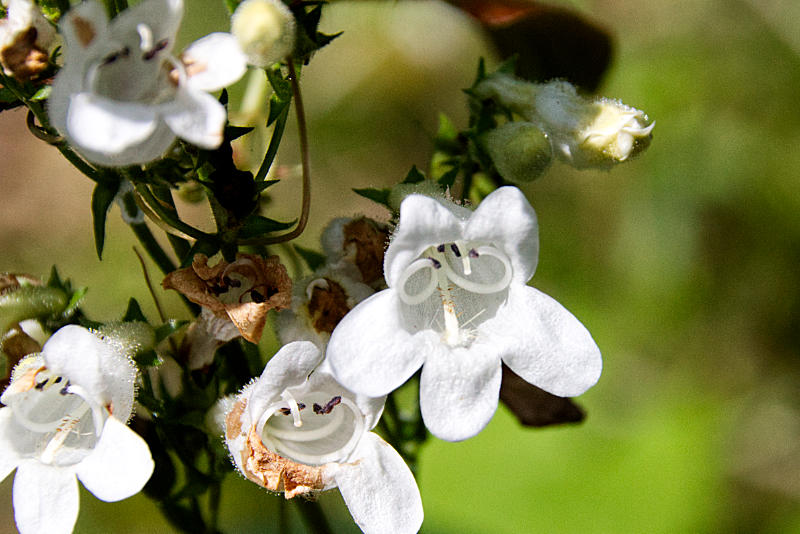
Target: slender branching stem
306 164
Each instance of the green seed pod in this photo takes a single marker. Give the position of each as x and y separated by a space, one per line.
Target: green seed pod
30 302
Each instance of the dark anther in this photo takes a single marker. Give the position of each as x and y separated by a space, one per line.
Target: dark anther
473 253
111 58
231 282
57 380
440 248
150 54
257 297
40 386
63 390
328 408
287 411
455 250
436 264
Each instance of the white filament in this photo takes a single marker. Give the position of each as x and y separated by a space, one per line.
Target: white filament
145 37
422 296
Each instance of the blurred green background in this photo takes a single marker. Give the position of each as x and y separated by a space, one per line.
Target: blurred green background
683 264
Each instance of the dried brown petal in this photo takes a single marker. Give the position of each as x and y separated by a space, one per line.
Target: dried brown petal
327 306
16 346
268 469
22 58
534 406
11 281
369 239
244 290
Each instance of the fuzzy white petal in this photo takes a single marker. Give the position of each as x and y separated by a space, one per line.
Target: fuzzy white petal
162 17
423 222
544 343
45 498
506 219
380 490
458 390
8 456
76 353
109 127
218 60
196 117
370 351
119 466
289 367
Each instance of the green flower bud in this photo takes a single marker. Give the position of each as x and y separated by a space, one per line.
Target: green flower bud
520 151
30 302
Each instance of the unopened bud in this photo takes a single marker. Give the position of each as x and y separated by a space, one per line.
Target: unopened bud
265 30
520 151
30 302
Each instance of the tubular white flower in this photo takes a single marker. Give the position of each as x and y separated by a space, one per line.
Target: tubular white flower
122 97
65 416
458 305
296 430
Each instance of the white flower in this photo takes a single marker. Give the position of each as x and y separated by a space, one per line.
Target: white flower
122 97
26 38
457 305
296 430
265 30
65 416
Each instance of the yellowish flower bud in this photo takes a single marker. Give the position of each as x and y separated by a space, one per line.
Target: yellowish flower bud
265 30
520 151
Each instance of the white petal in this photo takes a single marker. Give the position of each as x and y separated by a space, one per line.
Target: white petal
106 126
8 456
370 351
76 353
506 219
458 390
196 117
162 18
82 24
289 367
119 466
45 498
380 490
424 221
214 62
544 343
323 380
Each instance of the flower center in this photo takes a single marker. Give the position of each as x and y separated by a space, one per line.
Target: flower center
467 279
327 431
62 420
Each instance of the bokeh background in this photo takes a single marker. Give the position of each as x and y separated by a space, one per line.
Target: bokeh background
683 264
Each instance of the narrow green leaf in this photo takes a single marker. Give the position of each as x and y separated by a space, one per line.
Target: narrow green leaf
102 197
381 196
134 312
414 176
262 186
257 226
312 258
42 94
169 328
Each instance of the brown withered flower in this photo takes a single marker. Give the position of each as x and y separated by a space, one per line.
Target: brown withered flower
244 291
359 242
26 39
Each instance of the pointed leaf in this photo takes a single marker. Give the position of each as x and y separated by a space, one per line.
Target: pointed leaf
381 196
134 312
312 258
169 328
257 226
102 197
414 176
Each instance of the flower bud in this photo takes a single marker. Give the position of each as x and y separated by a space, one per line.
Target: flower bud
520 151
29 302
265 30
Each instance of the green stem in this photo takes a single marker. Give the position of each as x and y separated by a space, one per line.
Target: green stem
214 498
274 143
153 248
179 245
306 164
168 218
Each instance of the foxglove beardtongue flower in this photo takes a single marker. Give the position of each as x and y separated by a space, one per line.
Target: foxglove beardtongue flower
457 305
65 416
296 430
122 97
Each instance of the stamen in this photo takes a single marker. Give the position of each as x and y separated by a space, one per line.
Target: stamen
473 253
436 263
440 248
150 54
422 296
314 284
145 37
287 411
97 411
455 250
331 425
478 287
322 410
286 396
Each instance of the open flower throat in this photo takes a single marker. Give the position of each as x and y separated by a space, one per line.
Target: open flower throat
314 429
57 422
455 286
